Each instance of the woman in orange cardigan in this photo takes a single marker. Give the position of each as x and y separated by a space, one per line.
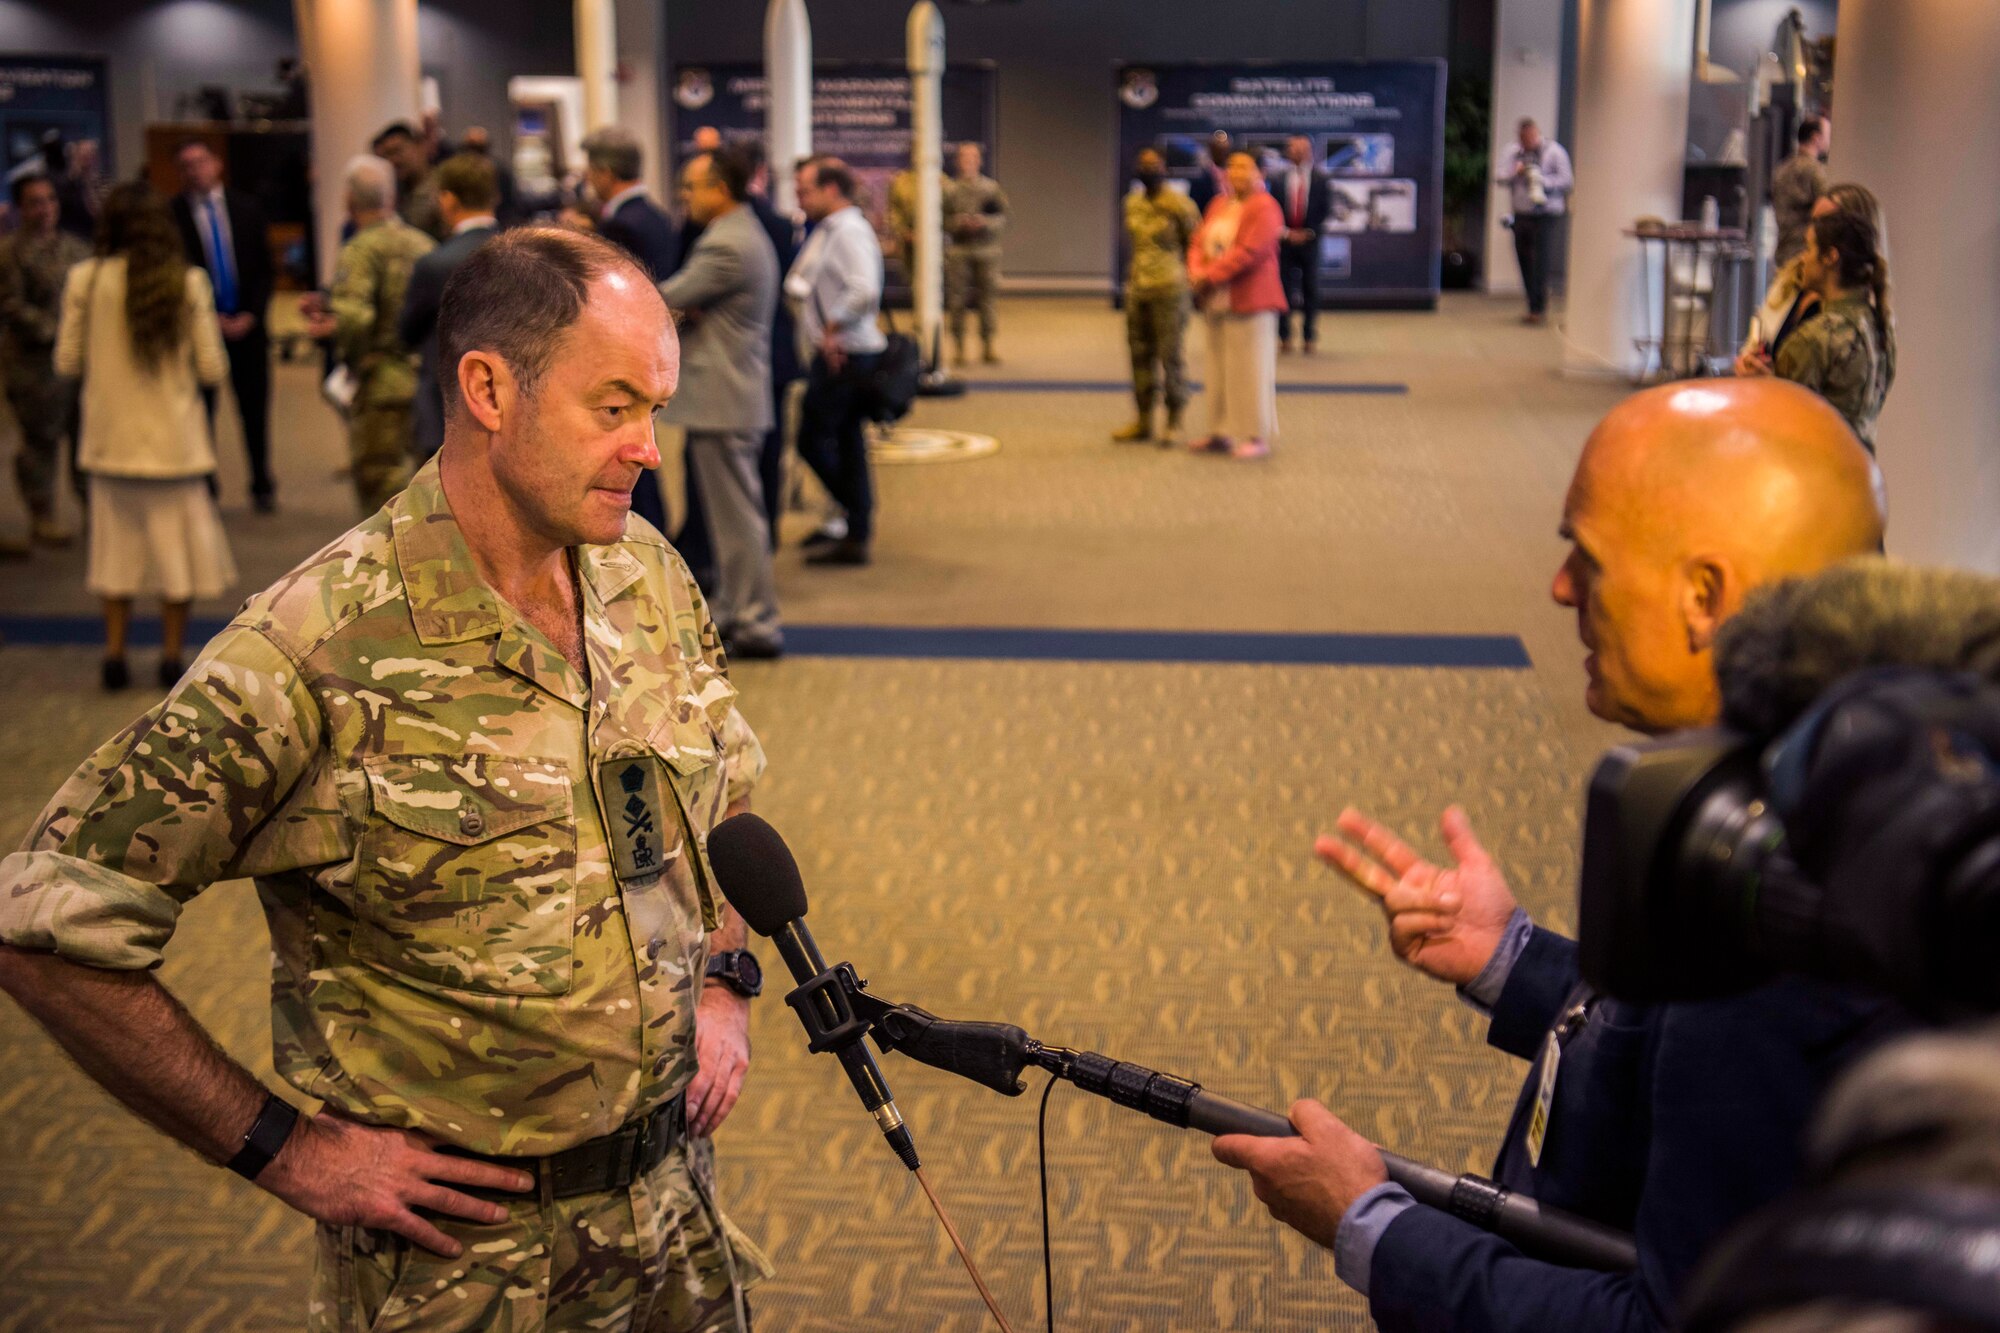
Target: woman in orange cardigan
1233 263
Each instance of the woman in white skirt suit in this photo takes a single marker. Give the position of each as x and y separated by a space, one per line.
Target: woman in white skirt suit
138 326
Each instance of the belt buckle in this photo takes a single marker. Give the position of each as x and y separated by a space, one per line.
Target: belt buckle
642 1143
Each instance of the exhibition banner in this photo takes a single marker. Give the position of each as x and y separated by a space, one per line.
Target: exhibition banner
860 114
1377 130
67 95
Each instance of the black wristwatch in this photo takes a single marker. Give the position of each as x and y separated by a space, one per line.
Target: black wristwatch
738 970
266 1136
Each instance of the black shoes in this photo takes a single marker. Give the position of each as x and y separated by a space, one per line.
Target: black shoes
170 672
116 675
752 650
846 551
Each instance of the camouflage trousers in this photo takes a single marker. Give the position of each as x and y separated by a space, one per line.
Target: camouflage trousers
971 278
45 407
1156 328
378 445
645 1260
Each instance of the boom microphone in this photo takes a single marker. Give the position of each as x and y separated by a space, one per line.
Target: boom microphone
761 881
1793 641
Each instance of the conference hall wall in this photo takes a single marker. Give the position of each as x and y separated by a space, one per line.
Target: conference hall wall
158 50
1058 119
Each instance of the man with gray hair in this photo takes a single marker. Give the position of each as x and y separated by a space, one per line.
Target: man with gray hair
360 315
612 165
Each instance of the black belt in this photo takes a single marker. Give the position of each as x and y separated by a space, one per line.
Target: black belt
598 1166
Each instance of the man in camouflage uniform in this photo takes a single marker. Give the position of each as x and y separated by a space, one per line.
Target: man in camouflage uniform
369 284
1797 185
471 753
33 263
416 189
975 213
1159 224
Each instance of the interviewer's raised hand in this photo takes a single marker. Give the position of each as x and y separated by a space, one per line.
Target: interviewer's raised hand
1443 922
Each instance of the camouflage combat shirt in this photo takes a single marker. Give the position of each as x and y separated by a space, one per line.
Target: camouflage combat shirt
1158 229
32 272
965 198
369 283
1841 355
487 914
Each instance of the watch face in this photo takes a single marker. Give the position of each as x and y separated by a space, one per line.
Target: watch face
750 970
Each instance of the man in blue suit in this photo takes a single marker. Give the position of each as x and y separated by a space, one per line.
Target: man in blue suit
1303 192
612 166
626 212
468 193
1670 1121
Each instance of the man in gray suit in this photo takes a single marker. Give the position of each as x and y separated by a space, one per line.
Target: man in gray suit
725 295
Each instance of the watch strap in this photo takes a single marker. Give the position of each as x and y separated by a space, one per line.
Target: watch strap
267 1135
727 967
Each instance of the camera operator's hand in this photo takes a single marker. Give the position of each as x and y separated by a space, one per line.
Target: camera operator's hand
1308 1182
1446 923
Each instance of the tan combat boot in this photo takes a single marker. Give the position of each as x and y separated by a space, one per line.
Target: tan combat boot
1139 431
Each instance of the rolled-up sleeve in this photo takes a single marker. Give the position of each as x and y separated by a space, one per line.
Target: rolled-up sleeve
162 810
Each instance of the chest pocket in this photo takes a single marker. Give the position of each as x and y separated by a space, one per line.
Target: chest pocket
467 872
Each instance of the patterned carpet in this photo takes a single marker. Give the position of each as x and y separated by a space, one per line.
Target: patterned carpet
1115 856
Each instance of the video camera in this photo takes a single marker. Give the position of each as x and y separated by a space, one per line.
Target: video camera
1845 826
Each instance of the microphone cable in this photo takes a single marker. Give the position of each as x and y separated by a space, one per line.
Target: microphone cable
1042 1160
965 1255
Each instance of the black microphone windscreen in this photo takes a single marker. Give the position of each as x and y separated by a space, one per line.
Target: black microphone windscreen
756 873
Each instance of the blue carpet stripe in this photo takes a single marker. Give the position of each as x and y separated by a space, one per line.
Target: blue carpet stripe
1502 651
1125 386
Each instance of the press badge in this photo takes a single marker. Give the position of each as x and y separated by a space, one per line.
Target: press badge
635 790
1545 1097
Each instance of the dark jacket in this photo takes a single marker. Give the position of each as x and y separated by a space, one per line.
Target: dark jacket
648 233
417 327
249 245
1319 198
785 365
1670 1121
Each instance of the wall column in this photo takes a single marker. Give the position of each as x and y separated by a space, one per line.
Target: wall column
1916 119
1635 59
788 81
597 61
1527 81
365 73
642 54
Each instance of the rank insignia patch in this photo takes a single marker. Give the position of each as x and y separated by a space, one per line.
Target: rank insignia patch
642 831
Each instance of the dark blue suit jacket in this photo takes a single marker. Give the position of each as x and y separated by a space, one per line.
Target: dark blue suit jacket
1319 198
785 365
417 327
648 233
1670 1121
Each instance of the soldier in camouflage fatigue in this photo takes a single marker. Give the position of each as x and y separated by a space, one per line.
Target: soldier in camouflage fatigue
33 263
471 753
1159 224
1846 352
367 297
975 213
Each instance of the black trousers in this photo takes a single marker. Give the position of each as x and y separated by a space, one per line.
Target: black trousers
1298 269
250 380
1535 236
833 440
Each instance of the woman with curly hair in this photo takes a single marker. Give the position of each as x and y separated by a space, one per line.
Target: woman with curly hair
138 326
